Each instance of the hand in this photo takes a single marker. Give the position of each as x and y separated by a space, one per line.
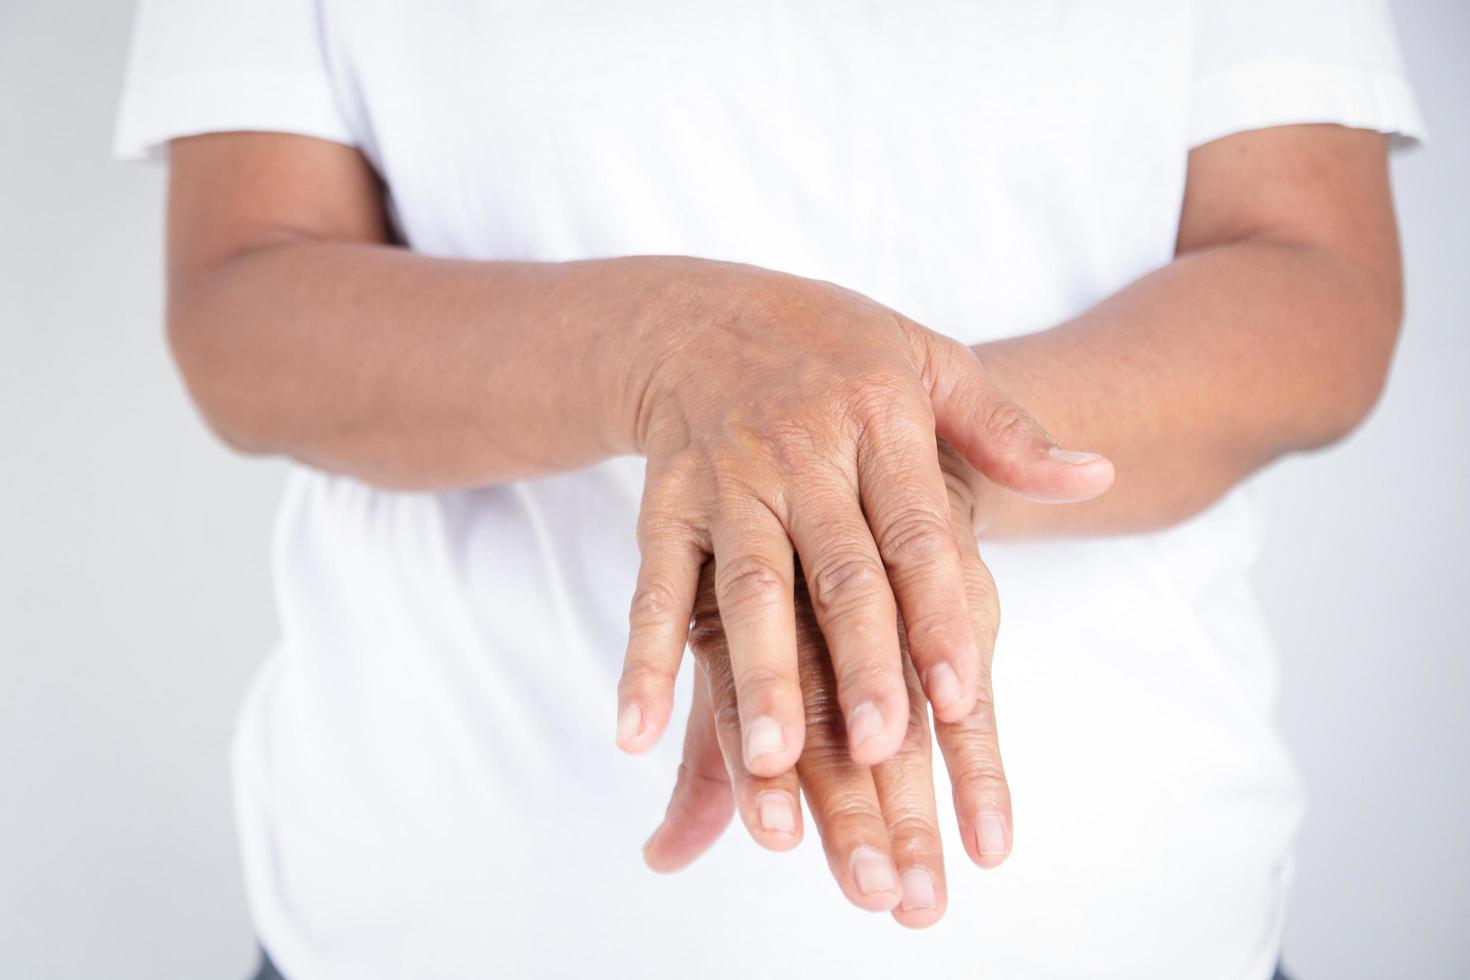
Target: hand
787 411
878 826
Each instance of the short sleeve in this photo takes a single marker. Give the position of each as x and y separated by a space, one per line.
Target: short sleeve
203 66
1260 63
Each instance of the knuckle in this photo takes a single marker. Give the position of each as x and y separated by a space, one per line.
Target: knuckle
918 850
763 679
913 831
872 400
654 604
979 775
939 630
936 356
750 582
739 457
660 523
981 719
843 583
877 386
699 779
1006 421
793 441
869 677
671 479
644 669
737 474
849 809
701 791
916 538
645 675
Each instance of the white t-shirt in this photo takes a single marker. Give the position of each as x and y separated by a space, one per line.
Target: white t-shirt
426 779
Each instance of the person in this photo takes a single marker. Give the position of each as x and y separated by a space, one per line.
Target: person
766 313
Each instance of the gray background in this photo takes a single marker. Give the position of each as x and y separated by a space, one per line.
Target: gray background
135 601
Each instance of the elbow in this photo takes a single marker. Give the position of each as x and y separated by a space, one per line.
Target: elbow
1366 358
210 378
1362 398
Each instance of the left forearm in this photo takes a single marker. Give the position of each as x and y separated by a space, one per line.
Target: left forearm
1198 374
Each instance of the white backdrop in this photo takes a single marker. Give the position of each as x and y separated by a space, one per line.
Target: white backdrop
135 601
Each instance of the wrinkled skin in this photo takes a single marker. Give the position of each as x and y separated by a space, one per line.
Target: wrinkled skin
879 825
799 420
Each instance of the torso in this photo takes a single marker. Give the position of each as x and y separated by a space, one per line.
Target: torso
440 713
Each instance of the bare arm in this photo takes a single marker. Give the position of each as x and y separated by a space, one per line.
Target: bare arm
301 330
774 411
1270 333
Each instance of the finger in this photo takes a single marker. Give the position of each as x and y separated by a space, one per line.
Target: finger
768 805
907 504
854 607
658 622
971 745
982 799
701 804
1000 438
753 586
905 786
842 796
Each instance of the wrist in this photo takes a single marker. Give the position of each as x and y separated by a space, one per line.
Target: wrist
676 308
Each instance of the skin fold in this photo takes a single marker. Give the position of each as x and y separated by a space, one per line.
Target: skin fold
301 329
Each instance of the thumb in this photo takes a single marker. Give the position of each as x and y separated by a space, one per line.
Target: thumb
1001 439
702 802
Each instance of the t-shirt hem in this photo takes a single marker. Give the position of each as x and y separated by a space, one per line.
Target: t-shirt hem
1282 94
261 100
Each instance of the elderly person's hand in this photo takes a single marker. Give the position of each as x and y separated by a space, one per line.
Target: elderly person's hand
781 412
878 824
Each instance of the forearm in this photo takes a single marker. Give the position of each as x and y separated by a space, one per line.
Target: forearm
1198 374
423 373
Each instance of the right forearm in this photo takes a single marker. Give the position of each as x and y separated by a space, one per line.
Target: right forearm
422 373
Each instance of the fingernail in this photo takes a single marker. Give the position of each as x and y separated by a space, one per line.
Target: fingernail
992 834
777 812
865 723
943 685
918 889
872 870
1070 456
630 722
763 737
